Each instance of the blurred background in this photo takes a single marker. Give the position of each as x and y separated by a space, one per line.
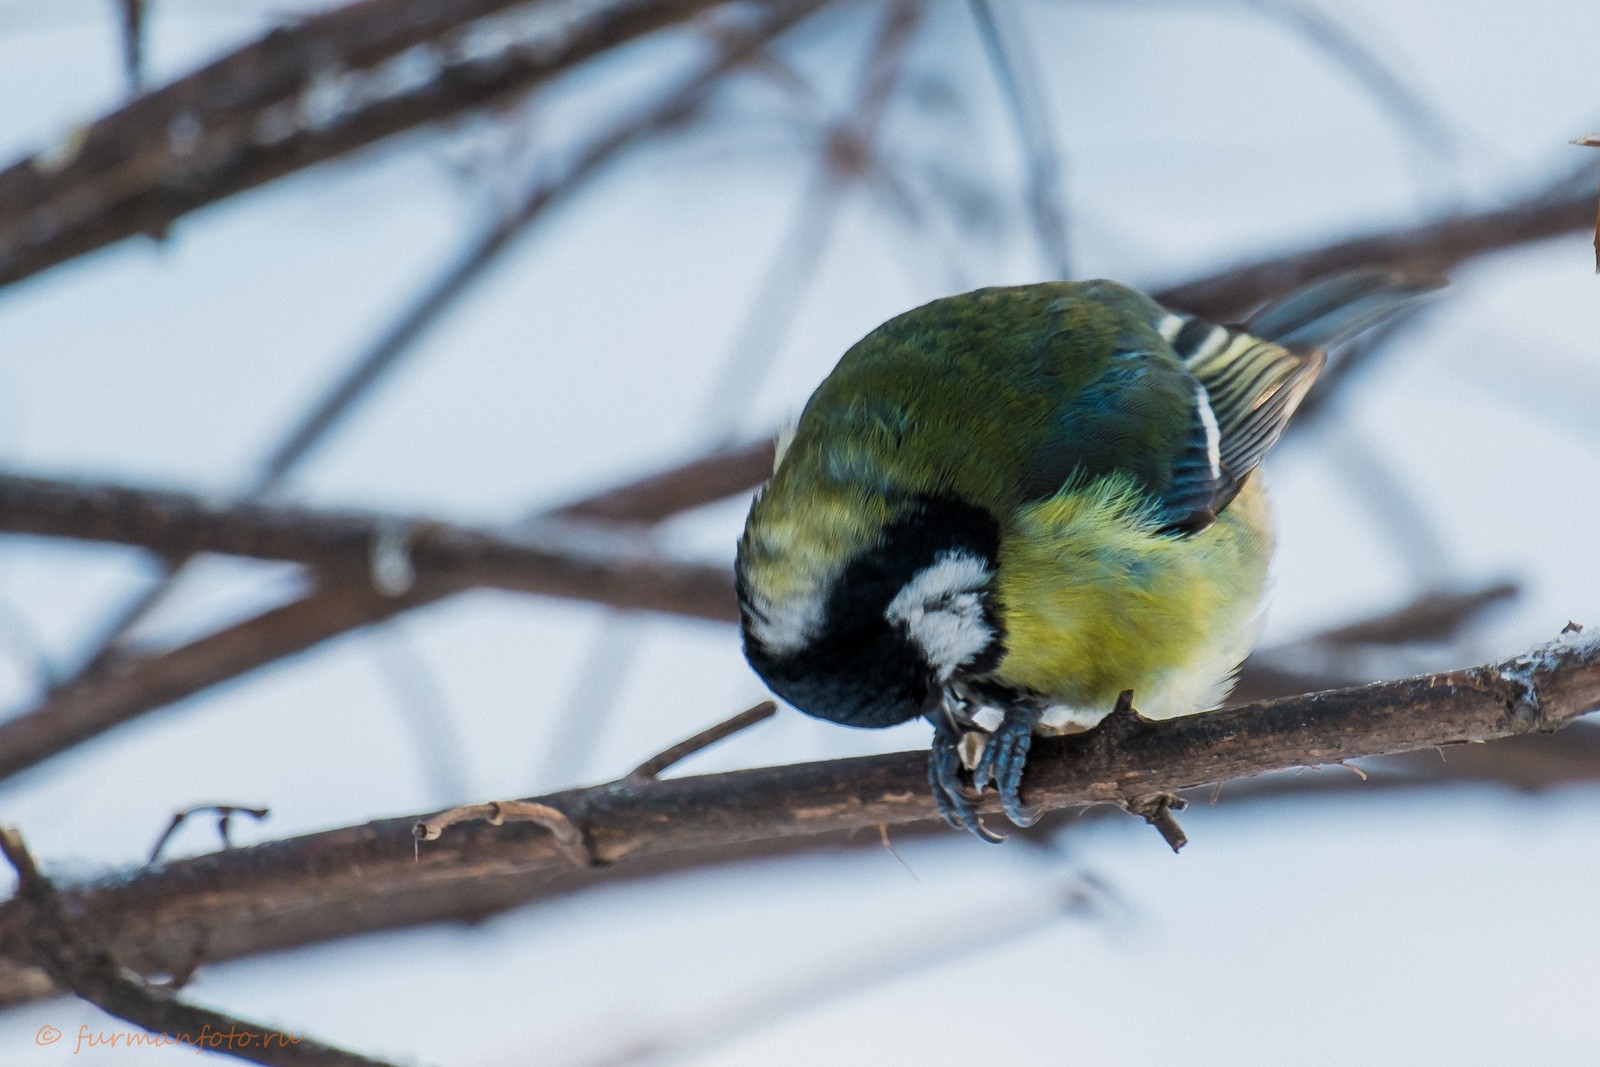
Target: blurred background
527 297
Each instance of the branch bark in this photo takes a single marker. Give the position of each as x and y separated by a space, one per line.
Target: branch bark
128 689
88 970
368 877
584 561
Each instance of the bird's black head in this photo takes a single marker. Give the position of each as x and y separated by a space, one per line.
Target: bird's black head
900 619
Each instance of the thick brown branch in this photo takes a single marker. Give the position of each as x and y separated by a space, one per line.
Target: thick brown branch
364 878
92 973
301 95
436 560
92 706
95 704
586 562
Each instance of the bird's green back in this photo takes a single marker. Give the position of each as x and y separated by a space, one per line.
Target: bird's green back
999 396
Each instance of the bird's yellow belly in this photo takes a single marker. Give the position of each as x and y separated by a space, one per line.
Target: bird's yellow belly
1093 602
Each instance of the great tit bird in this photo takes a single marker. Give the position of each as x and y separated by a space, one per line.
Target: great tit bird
1003 509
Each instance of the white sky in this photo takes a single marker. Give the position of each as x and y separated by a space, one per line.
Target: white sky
1396 928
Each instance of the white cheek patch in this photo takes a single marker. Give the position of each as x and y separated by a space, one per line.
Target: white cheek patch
941 609
787 626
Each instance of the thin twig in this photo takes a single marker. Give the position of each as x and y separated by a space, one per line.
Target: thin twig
1591 141
959 938
848 151
224 813
652 767
568 836
1025 100
131 16
1157 811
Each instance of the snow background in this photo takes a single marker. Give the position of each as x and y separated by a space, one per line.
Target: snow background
1441 926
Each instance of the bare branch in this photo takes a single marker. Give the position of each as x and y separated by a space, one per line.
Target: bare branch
224 814
736 46
584 561
93 705
723 473
574 560
1025 99
1433 617
1329 660
1591 141
55 943
301 95
1434 247
848 151
69 717
132 16
652 767
362 878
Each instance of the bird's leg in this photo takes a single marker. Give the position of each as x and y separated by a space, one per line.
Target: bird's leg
1004 757
956 807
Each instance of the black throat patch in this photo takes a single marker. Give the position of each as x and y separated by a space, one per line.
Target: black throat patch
861 669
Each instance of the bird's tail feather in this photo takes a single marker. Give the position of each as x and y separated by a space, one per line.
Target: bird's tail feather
1338 307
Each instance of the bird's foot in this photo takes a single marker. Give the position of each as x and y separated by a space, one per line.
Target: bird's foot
957 807
1004 757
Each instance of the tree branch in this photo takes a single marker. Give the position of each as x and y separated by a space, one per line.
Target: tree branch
367 877
301 95
92 705
723 473
92 973
735 46
98 704
1564 206
582 561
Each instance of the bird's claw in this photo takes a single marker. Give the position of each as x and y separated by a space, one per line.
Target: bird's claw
958 809
1004 757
